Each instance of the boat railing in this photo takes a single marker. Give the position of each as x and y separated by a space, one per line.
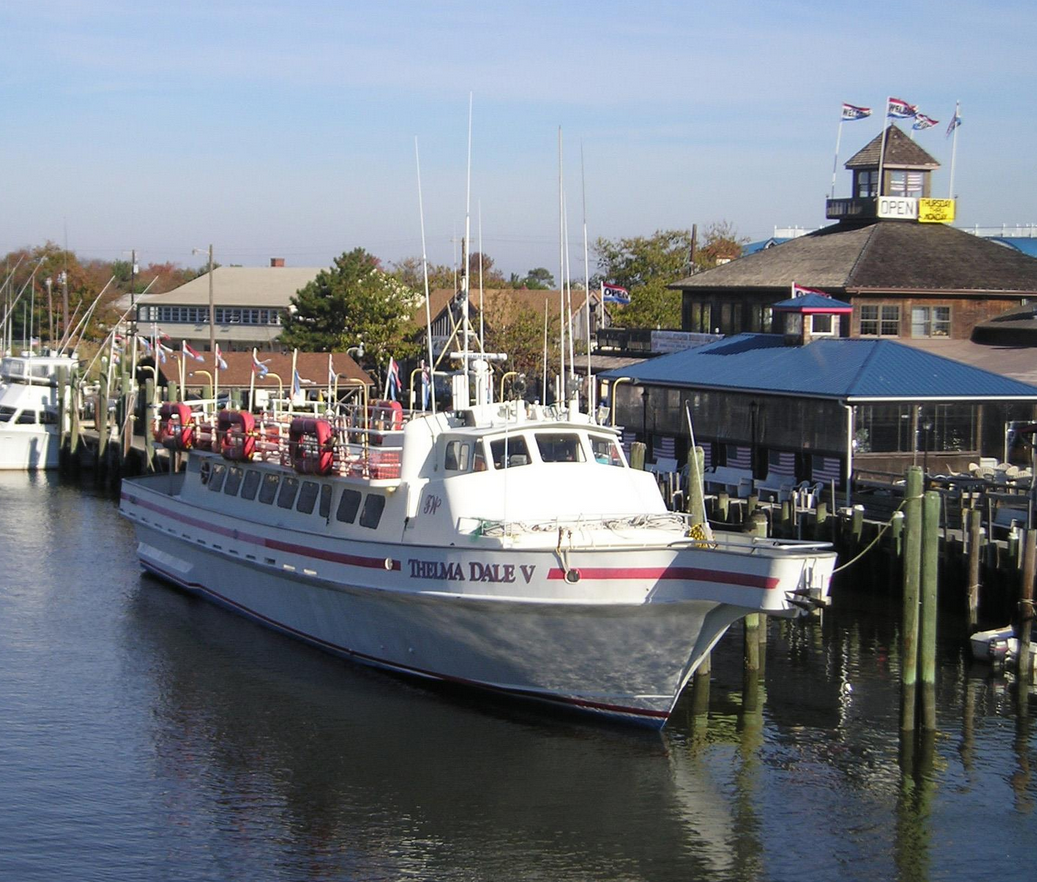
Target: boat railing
354 441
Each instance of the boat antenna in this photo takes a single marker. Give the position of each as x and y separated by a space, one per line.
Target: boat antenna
561 264
586 286
14 303
482 325
569 302
81 325
465 248
424 273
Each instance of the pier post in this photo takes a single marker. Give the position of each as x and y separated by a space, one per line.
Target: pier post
974 526
695 502
149 413
723 506
858 523
1024 668
700 688
927 631
637 455
912 577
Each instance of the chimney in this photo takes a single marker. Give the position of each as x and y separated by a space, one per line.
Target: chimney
276 261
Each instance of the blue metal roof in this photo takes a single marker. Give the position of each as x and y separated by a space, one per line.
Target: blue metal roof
1025 244
812 302
829 368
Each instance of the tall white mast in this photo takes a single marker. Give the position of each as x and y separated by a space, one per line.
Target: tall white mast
954 145
424 272
561 264
586 285
465 259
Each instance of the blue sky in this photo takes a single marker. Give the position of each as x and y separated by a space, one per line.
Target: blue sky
275 129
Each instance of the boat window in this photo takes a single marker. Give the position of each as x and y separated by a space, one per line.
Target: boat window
234 475
348 505
289 487
307 497
372 512
559 447
219 472
27 417
479 462
48 418
509 452
268 490
248 491
6 413
458 455
606 451
325 500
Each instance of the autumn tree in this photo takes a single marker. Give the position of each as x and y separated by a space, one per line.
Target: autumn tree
720 243
353 301
515 325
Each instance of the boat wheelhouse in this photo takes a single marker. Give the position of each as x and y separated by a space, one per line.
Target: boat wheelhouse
29 432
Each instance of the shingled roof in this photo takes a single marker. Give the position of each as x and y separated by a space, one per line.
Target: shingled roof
885 255
901 152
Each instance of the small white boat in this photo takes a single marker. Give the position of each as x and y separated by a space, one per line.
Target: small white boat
504 546
29 431
999 646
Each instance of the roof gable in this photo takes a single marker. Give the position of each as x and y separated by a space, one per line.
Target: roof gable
901 152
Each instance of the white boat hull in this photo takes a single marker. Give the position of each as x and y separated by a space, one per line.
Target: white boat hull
28 448
622 640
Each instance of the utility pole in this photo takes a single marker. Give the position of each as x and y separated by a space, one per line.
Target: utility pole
212 309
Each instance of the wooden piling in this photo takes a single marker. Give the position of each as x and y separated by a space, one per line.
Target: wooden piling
723 507
912 577
1024 667
700 687
927 630
637 455
974 526
695 503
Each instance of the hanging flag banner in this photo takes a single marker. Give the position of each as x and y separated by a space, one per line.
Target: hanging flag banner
219 359
615 294
924 122
259 367
193 354
800 291
852 111
900 109
954 123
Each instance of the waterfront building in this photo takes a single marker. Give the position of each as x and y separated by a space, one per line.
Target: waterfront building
893 257
249 302
808 405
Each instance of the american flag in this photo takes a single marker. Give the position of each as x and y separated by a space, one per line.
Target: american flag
955 122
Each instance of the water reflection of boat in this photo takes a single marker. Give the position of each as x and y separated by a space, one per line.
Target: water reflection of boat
331 775
29 436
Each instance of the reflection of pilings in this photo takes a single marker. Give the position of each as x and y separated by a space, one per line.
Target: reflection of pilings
700 689
968 724
748 855
911 846
1021 746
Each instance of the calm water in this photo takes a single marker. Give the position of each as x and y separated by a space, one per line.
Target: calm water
147 735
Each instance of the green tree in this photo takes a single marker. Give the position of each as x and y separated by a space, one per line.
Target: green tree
353 301
645 265
517 328
538 279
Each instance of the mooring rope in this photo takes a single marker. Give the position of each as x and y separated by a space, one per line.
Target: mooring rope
878 536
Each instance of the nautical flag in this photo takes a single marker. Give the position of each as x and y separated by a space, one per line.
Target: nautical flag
615 294
331 371
145 345
220 363
296 384
190 352
800 291
900 109
954 123
162 350
426 385
852 111
259 367
924 122
393 378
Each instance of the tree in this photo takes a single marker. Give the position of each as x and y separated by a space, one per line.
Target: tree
353 301
645 265
410 272
516 327
720 244
538 279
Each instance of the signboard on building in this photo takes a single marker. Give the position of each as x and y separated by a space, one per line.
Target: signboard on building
837 209
935 211
902 207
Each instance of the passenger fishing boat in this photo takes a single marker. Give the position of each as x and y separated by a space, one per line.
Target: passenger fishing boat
507 546
29 431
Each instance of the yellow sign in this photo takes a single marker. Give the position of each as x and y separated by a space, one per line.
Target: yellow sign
935 211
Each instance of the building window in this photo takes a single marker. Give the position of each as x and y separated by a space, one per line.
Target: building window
822 325
905 183
866 184
931 321
880 321
934 428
